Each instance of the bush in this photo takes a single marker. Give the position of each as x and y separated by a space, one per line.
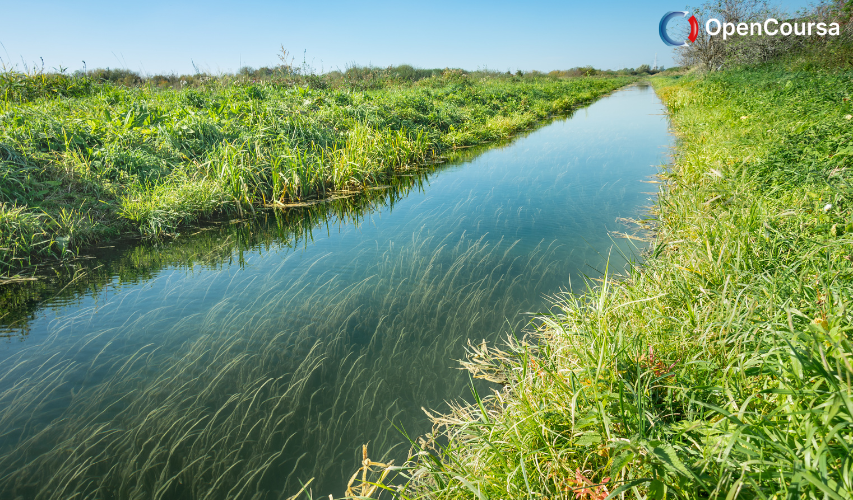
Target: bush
20 87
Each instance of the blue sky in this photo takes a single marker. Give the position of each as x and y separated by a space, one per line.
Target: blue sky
163 36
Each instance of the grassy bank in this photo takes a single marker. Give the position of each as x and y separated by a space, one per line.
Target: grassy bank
99 158
722 367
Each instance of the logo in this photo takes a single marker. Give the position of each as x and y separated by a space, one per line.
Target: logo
770 27
694 28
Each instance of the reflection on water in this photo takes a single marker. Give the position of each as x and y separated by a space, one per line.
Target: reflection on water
252 356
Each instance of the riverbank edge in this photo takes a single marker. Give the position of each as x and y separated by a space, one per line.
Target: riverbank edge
45 245
718 367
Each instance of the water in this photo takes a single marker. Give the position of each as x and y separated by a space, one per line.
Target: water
252 356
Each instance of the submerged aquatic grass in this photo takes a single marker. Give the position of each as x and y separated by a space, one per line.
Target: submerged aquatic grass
248 386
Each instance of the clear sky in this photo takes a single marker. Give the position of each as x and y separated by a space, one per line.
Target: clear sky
158 36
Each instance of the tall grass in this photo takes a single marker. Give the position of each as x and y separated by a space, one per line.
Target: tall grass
721 368
117 158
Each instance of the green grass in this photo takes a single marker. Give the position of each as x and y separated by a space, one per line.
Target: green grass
721 367
99 159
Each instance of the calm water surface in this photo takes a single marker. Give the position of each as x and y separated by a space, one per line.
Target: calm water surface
245 361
